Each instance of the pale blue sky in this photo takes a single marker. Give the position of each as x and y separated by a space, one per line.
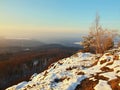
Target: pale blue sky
55 18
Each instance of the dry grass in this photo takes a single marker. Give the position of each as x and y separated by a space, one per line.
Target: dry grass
116 57
98 77
87 85
103 61
106 69
80 73
115 84
70 68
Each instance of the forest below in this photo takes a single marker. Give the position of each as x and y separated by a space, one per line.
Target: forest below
20 66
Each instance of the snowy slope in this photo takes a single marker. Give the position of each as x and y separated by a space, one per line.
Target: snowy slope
68 73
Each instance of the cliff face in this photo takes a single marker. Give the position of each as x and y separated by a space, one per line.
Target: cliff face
82 71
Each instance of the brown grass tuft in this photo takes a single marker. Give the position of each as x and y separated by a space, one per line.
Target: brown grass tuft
80 73
116 57
98 77
103 61
70 68
106 69
87 85
115 84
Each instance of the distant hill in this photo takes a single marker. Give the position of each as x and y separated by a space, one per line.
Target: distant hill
19 43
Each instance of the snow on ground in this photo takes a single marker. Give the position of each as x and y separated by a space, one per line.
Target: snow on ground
102 85
67 73
110 75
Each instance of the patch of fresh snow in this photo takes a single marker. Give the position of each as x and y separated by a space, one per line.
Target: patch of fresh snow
74 84
18 86
110 75
35 74
102 85
115 63
92 78
84 56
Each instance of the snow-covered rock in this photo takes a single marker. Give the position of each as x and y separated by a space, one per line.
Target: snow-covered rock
102 85
68 73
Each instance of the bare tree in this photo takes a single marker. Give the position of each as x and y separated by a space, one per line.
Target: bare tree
102 39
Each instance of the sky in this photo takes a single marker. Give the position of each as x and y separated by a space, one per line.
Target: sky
55 19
